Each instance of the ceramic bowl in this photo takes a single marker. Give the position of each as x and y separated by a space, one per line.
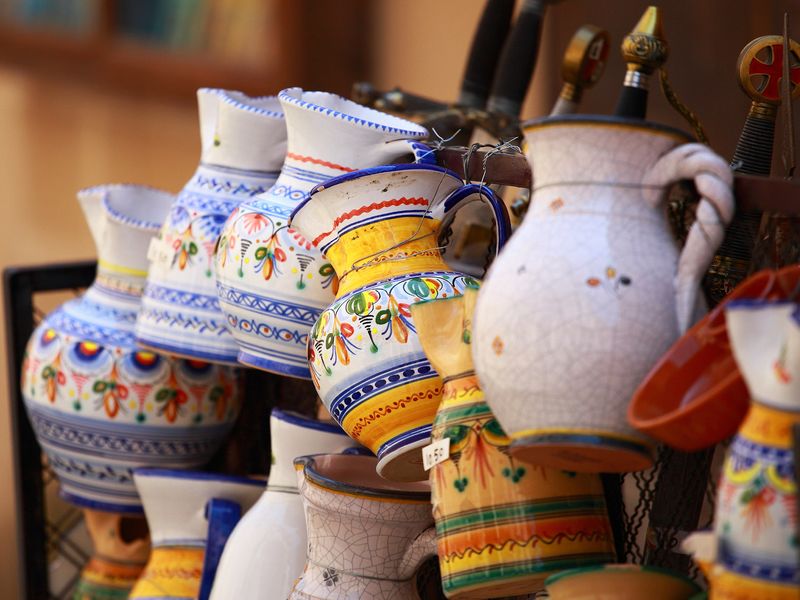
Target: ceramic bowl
620 582
695 397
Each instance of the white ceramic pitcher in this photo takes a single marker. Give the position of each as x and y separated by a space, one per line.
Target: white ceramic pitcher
592 288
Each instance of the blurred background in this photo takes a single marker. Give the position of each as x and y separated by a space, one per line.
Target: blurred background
95 91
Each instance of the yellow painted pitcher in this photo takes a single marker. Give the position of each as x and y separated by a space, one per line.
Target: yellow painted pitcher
503 524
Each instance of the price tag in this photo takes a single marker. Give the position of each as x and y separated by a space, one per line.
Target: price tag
434 453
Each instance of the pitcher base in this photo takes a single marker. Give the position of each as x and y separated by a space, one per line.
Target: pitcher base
583 452
404 463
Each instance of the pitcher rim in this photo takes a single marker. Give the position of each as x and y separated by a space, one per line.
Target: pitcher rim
115 215
368 172
411 129
608 121
307 464
295 418
158 472
229 97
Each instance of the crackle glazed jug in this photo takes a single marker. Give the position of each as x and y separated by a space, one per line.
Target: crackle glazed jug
272 281
379 228
366 536
190 514
121 547
755 523
243 145
99 405
592 289
503 524
266 552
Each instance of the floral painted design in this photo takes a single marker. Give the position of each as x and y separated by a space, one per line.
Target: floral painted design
612 281
367 319
254 241
111 393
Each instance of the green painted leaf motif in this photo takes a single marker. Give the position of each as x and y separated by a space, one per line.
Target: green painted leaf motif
357 305
472 283
261 253
329 340
494 428
99 386
456 433
192 248
326 269
163 395
383 317
418 288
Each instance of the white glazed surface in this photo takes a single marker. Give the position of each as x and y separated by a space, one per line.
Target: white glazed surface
272 283
175 503
100 406
266 551
582 301
243 141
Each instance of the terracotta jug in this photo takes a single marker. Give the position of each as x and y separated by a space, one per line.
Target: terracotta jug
503 524
266 552
190 515
272 282
243 144
366 536
99 405
121 547
379 228
755 523
592 289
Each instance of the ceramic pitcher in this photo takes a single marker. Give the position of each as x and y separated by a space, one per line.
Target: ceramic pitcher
757 554
592 288
191 515
366 536
243 144
379 228
99 405
272 282
266 552
121 547
503 525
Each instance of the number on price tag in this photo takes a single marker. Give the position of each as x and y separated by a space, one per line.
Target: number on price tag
434 453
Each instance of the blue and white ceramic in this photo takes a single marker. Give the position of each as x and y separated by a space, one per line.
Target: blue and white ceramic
99 405
272 282
190 516
250 568
243 146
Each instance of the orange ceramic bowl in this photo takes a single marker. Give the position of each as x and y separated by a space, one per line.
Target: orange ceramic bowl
695 397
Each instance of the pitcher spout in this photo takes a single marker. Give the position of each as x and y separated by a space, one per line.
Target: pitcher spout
123 219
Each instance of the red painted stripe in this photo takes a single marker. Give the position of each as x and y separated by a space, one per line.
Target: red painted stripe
317 161
369 208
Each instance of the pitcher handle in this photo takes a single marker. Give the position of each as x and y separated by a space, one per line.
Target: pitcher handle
222 516
713 179
422 548
461 196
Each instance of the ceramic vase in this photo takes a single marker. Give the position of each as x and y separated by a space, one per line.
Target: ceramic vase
121 547
266 552
366 536
99 405
592 289
379 228
190 515
243 144
273 282
757 554
503 524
